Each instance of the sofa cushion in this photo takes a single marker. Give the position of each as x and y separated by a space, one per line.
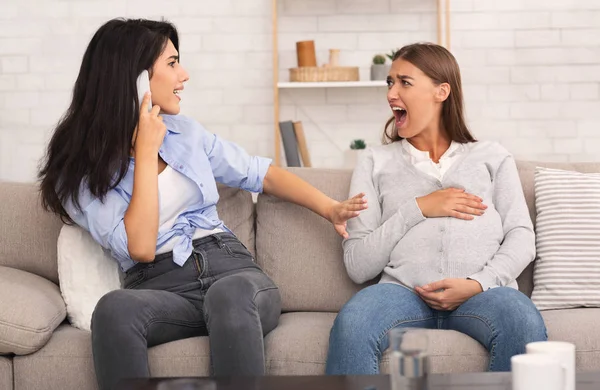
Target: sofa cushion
30 309
6 373
298 346
580 327
66 361
567 268
236 209
189 357
27 233
301 251
86 273
526 174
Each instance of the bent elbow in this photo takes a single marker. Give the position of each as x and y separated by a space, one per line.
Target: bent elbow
357 278
357 275
142 255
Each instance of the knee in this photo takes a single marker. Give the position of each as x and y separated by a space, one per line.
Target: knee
240 296
518 315
229 293
116 308
530 323
351 324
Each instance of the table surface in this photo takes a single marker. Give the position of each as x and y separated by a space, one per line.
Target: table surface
484 381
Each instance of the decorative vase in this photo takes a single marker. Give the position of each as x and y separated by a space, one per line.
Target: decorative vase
305 52
351 157
379 71
334 57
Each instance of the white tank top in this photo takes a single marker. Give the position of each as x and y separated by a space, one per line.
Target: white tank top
176 193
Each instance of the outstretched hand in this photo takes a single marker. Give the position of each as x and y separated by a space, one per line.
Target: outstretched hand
341 212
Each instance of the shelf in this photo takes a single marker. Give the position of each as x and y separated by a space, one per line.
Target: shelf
332 84
443 38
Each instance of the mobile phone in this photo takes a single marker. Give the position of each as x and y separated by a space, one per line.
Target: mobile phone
143 86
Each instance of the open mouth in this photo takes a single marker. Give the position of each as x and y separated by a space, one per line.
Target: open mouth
176 92
401 115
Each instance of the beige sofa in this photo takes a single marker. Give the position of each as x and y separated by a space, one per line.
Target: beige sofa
300 251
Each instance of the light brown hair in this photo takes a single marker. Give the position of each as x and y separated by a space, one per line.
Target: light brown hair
440 66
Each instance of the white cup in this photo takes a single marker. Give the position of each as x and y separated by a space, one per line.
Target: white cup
537 372
564 352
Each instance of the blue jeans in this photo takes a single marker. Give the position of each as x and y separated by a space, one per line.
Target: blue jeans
502 319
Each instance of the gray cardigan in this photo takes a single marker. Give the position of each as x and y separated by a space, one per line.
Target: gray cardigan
394 238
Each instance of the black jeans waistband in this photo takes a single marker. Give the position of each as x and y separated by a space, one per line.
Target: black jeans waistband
219 238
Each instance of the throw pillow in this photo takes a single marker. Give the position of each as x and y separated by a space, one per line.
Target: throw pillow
85 274
30 309
567 268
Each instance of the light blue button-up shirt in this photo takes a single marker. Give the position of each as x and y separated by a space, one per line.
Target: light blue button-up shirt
196 153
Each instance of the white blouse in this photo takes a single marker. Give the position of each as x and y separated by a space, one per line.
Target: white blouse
175 194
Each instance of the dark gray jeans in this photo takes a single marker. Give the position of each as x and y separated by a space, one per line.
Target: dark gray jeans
219 292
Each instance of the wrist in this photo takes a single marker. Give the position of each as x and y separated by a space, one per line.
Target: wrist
420 204
144 155
329 210
476 286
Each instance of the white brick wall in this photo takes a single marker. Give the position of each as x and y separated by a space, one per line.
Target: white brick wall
553 63
531 69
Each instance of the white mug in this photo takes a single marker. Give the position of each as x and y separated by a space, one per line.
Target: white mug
537 372
563 351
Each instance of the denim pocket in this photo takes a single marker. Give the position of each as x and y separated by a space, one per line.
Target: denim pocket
135 278
237 249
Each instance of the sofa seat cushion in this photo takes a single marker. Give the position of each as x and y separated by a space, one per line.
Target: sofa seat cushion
30 309
6 373
580 327
298 346
66 361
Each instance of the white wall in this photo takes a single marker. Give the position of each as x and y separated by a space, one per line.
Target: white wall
531 69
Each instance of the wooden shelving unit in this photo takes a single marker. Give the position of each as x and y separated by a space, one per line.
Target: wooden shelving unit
443 38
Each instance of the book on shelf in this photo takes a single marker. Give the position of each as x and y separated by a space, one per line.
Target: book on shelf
302 146
290 143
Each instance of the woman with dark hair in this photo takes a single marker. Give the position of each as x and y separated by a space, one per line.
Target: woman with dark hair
143 183
447 227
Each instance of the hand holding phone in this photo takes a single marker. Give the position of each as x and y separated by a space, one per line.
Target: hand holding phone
143 86
150 131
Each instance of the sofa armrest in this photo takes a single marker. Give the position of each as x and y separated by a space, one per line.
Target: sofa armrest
31 307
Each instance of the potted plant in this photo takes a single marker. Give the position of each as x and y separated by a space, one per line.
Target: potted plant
391 55
351 155
358 144
379 69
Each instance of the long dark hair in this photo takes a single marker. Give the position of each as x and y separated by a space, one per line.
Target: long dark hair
93 140
440 66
